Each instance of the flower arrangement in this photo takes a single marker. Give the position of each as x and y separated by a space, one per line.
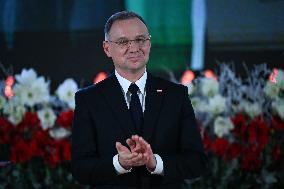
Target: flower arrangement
35 129
241 122
242 125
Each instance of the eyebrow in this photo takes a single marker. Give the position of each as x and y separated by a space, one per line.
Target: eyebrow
142 35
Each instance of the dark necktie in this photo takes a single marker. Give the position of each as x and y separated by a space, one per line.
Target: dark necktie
135 107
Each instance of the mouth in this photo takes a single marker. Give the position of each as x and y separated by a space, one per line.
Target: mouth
134 58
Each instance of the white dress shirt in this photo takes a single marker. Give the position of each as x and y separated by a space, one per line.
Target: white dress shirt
141 83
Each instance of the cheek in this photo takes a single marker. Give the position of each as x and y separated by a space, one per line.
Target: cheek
118 57
146 52
147 49
116 54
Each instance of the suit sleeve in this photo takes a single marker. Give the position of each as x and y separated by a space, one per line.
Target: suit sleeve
86 165
190 160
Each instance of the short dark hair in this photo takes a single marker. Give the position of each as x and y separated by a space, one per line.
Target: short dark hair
123 15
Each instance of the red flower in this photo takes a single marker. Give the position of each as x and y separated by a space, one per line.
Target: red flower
277 124
234 151
251 162
52 154
20 152
66 151
30 122
31 118
220 146
258 132
206 142
40 139
6 129
276 153
65 119
57 152
240 126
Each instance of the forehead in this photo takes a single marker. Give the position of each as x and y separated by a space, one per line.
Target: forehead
128 28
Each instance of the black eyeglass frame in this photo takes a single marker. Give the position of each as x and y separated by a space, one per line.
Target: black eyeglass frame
128 42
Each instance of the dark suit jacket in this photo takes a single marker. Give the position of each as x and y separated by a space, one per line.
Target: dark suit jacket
102 118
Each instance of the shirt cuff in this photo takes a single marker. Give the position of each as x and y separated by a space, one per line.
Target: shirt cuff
119 169
159 170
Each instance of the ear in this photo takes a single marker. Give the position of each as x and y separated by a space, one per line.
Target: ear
106 48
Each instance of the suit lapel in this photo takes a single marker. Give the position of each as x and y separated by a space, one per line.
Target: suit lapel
115 99
154 99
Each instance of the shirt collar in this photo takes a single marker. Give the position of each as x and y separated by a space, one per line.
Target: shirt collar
124 83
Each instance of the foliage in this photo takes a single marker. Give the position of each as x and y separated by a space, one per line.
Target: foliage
35 130
241 122
242 125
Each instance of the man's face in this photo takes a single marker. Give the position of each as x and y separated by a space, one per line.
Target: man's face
129 58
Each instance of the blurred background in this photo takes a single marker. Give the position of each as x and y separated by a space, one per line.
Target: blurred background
63 38
241 117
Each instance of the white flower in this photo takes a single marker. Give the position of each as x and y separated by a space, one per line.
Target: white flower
222 126
66 92
31 89
26 77
47 118
209 87
278 107
236 108
35 92
15 110
217 104
59 133
2 102
271 89
198 104
251 109
280 79
191 88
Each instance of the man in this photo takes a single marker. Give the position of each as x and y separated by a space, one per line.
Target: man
134 130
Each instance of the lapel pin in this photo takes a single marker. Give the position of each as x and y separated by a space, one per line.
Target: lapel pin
159 90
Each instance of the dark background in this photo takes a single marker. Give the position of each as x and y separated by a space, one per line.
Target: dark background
62 39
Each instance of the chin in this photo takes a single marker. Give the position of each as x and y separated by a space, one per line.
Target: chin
136 68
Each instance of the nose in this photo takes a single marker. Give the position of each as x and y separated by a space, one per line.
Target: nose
133 47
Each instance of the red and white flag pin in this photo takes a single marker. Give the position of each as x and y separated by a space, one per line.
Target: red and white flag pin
159 90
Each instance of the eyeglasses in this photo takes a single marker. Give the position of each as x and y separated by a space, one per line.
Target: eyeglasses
125 43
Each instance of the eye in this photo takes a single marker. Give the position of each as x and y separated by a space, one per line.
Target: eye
140 40
122 42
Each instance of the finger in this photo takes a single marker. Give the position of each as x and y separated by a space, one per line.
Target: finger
138 148
119 147
125 163
145 158
131 143
122 150
143 144
126 157
138 164
142 141
138 160
135 138
149 150
148 153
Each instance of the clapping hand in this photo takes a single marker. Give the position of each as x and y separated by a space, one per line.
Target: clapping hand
140 153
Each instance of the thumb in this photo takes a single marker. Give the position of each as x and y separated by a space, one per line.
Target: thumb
120 148
131 144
